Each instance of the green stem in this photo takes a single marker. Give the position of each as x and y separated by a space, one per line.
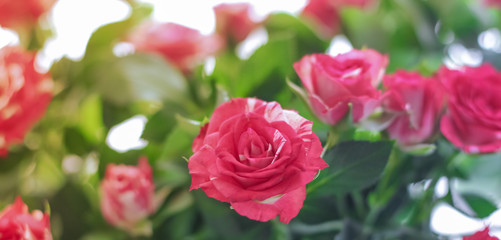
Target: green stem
306 229
359 203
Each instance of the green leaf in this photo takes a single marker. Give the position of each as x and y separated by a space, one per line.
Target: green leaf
353 165
367 135
159 126
420 149
480 205
102 40
91 119
307 41
275 56
141 77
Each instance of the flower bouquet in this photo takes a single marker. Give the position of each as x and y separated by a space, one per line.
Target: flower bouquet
351 119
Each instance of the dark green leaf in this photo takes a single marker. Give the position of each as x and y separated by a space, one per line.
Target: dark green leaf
353 165
159 126
480 205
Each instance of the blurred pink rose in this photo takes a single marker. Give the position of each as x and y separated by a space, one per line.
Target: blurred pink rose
258 157
334 82
234 20
325 14
24 95
182 46
14 13
16 223
127 194
473 119
416 102
324 17
481 235
493 3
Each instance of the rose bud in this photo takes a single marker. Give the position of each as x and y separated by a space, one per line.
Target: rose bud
18 13
473 119
234 21
17 223
481 235
416 102
181 46
128 195
24 95
332 83
258 157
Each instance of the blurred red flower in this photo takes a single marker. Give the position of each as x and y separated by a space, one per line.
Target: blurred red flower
24 95
14 13
481 235
127 194
16 223
473 119
416 102
234 21
183 47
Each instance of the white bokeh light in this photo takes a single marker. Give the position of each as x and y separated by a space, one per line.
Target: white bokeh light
127 135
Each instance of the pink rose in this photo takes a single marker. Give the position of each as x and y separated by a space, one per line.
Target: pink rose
334 82
473 119
324 17
258 157
182 46
234 20
127 194
16 223
14 13
324 14
493 3
481 235
24 95
416 102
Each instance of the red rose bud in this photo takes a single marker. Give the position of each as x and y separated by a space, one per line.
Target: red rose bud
183 47
332 83
258 157
16 223
14 13
234 21
24 95
481 235
416 102
127 195
473 119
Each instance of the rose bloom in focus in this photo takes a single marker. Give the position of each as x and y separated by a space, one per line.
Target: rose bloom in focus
234 21
332 83
416 103
481 235
258 157
473 119
16 223
181 46
127 195
16 13
24 95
